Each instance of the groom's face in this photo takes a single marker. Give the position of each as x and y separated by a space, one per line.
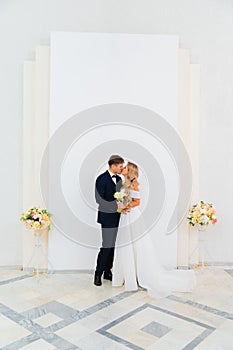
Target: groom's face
117 168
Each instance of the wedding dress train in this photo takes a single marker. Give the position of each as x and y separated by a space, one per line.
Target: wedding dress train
135 262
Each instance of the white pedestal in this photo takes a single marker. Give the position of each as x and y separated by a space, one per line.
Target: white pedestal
201 246
38 261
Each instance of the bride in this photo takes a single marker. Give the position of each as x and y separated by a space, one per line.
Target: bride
135 263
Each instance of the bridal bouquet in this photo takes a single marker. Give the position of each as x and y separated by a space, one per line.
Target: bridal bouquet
36 218
119 198
202 213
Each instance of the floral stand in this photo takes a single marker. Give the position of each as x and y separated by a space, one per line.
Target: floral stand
200 215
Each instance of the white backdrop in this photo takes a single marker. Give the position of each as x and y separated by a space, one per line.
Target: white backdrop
197 31
89 69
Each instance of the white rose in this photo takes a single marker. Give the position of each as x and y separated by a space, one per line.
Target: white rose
205 218
203 211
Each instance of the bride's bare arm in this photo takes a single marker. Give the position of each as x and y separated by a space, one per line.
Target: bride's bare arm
134 203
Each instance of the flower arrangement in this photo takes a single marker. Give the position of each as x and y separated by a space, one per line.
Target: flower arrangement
36 218
119 198
202 214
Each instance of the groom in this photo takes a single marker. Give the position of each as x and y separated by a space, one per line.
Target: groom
106 185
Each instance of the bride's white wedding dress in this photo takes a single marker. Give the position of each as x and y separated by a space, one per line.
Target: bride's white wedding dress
135 262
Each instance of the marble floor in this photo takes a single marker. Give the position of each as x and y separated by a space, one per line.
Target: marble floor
66 311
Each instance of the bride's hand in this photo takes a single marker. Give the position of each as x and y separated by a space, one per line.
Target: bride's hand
125 210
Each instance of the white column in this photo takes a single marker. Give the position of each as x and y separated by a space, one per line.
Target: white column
184 133
35 138
194 148
41 123
28 170
189 103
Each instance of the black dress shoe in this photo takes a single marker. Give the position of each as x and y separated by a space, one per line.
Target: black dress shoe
108 275
97 280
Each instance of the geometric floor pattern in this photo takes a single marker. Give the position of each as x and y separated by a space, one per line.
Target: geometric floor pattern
65 311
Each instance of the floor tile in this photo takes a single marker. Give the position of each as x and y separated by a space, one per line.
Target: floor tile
10 331
66 311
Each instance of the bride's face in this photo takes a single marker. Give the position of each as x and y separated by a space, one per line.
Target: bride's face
124 171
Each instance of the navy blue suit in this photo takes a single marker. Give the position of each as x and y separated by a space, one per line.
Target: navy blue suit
108 217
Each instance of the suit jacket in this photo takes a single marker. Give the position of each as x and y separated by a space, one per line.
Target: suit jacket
104 191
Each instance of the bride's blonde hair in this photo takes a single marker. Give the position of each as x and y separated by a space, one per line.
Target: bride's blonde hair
131 181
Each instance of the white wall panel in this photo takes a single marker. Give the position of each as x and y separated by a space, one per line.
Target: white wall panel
89 69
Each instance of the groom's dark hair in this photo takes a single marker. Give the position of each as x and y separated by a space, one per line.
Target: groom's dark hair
115 159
